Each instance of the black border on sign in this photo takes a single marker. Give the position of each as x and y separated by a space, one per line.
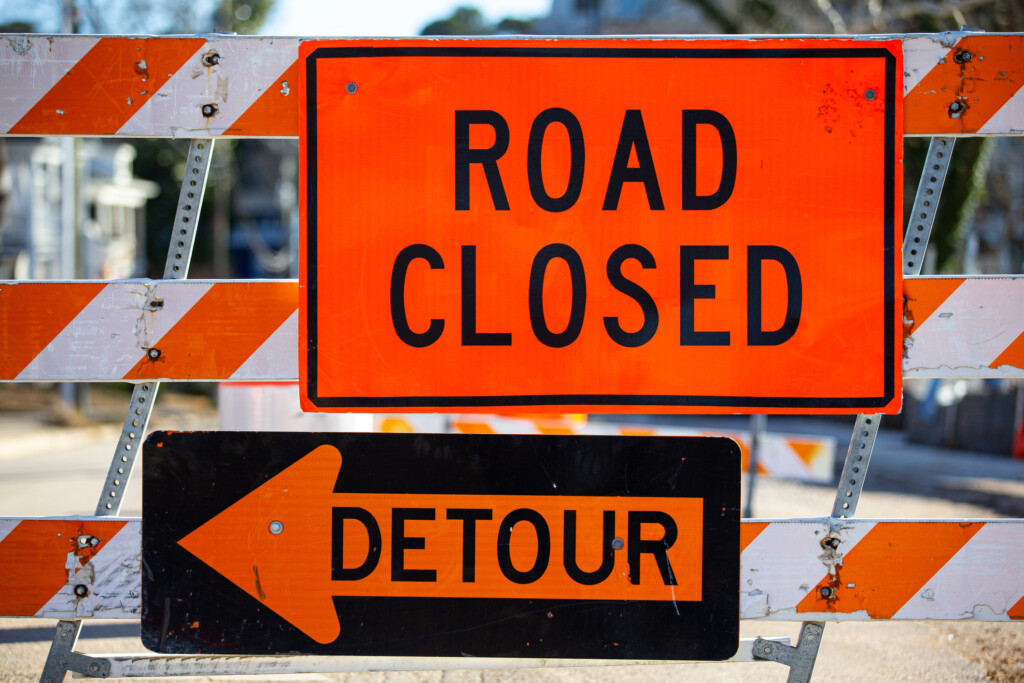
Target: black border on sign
889 222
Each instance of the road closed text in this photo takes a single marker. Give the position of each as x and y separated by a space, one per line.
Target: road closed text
632 144
518 547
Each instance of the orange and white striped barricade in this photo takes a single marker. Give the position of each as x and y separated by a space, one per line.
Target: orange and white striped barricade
955 84
853 569
964 326
246 86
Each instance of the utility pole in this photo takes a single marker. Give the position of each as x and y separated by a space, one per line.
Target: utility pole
70 394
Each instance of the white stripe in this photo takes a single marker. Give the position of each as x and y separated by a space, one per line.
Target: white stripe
109 336
921 54
779 458
6 527
112 577
1009 118
784 563
971 328
29 68
246 69
277 357
983 580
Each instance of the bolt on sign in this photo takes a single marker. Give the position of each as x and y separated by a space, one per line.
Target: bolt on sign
608 225
441 545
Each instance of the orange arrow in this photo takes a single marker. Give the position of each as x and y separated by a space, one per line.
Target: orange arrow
293 544
240 544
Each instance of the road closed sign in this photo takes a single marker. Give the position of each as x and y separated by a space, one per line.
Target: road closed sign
441 545
607 225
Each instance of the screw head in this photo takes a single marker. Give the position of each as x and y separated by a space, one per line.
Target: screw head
826 592
963 57
767 649
351 88
94 668
617 544
276 527
81 590
209 110
211 59
869 95
956 108
154 353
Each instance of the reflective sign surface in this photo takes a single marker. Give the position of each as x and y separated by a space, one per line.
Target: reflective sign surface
601 225
442 545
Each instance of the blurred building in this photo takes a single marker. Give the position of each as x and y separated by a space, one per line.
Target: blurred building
100 216
610 17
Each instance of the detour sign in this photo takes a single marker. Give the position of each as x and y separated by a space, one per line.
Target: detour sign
443 545
601 225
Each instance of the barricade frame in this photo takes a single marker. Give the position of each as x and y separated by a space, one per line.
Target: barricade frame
800 658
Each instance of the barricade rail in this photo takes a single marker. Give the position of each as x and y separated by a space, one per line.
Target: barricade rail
245 86
208 330
203 87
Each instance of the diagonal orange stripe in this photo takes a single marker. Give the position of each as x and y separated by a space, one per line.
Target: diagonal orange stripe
923 298
888 567
220 331
1012 355
807 451
749 531
473 428
33 557
1017 611
32 314
394 425
984 84
107 86
275 112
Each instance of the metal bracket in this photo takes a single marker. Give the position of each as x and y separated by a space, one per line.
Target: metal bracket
62 657
799 659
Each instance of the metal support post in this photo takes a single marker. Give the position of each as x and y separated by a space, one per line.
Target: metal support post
61 657
926 204
758 424
865 429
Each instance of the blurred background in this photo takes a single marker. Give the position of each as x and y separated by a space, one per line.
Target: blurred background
99 208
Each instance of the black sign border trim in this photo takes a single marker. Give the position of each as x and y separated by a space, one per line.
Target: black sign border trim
889 173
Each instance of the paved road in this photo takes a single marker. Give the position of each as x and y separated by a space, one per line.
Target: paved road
68 482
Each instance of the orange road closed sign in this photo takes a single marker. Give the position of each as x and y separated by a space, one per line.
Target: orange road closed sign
601 225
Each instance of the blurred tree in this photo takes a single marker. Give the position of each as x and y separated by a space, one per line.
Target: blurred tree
468 21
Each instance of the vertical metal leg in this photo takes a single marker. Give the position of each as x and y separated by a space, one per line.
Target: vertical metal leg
62 658
858 456
926 204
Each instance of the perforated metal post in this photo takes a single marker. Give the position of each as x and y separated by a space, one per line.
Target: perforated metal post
865 429
62 657
179 255
926 204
